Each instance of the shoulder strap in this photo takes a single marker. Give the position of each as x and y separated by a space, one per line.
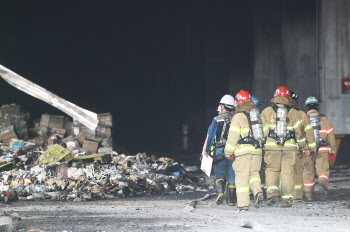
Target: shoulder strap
275 108
249 122
226 127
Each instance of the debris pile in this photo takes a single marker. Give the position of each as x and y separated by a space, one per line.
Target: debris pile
61 159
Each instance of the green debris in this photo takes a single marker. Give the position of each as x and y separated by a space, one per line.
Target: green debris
55 154
3 166
88 156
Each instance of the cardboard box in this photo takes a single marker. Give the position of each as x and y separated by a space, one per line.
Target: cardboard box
68 139
81 138
39 140
105 119
90 145
56 121
58 131
103 132
6 129
68 126
52 121
45 120
6 137
38 131
11 109
5 123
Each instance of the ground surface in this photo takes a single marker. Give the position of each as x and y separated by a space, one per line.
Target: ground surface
165 213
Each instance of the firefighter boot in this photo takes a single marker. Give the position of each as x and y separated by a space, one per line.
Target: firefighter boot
232 196
323 191
258 199
286 203
271 201
244 208
309 195
220 188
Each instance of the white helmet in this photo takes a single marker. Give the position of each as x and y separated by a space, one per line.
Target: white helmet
228 100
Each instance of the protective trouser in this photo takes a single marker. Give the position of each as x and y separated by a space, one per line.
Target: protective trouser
280 168
321 163
220 168
247 168
262 175
298 177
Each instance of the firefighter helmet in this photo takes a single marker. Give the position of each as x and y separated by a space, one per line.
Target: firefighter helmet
311 100
282 91
243 96
255 100
293 96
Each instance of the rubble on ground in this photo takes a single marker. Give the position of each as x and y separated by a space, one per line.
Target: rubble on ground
61 159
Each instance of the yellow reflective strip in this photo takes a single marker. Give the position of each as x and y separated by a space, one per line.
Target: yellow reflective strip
272 187
298 186
301 140
312 144
218 180
308 127
245 130
287 196
232 186
254 179
237 151
235 129
267 126
298 124
285 145
244 189
230 147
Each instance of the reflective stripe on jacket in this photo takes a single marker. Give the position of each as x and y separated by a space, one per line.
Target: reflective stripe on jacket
295 124
239 129
326 133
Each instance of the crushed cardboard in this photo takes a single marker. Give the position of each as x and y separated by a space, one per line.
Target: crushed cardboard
59 164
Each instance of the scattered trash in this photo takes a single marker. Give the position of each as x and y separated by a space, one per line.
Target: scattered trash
64 160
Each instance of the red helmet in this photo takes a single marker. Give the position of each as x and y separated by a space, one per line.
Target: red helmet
243 96
282 91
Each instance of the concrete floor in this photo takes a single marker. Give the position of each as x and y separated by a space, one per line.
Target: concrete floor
165 213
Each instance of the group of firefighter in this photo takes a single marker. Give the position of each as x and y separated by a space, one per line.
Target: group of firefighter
273 153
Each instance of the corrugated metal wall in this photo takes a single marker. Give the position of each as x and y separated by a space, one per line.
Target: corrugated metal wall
334 45
285 48
304 45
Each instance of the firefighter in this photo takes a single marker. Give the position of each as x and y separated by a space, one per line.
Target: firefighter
326 149
206 139
217 137
282 127
308 135
244 143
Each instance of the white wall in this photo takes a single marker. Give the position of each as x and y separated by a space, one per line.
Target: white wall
334 57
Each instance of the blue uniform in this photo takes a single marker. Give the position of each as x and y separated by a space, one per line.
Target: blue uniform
215 131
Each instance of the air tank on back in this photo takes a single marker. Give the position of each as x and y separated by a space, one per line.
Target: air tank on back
257 128
281 127
315 123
